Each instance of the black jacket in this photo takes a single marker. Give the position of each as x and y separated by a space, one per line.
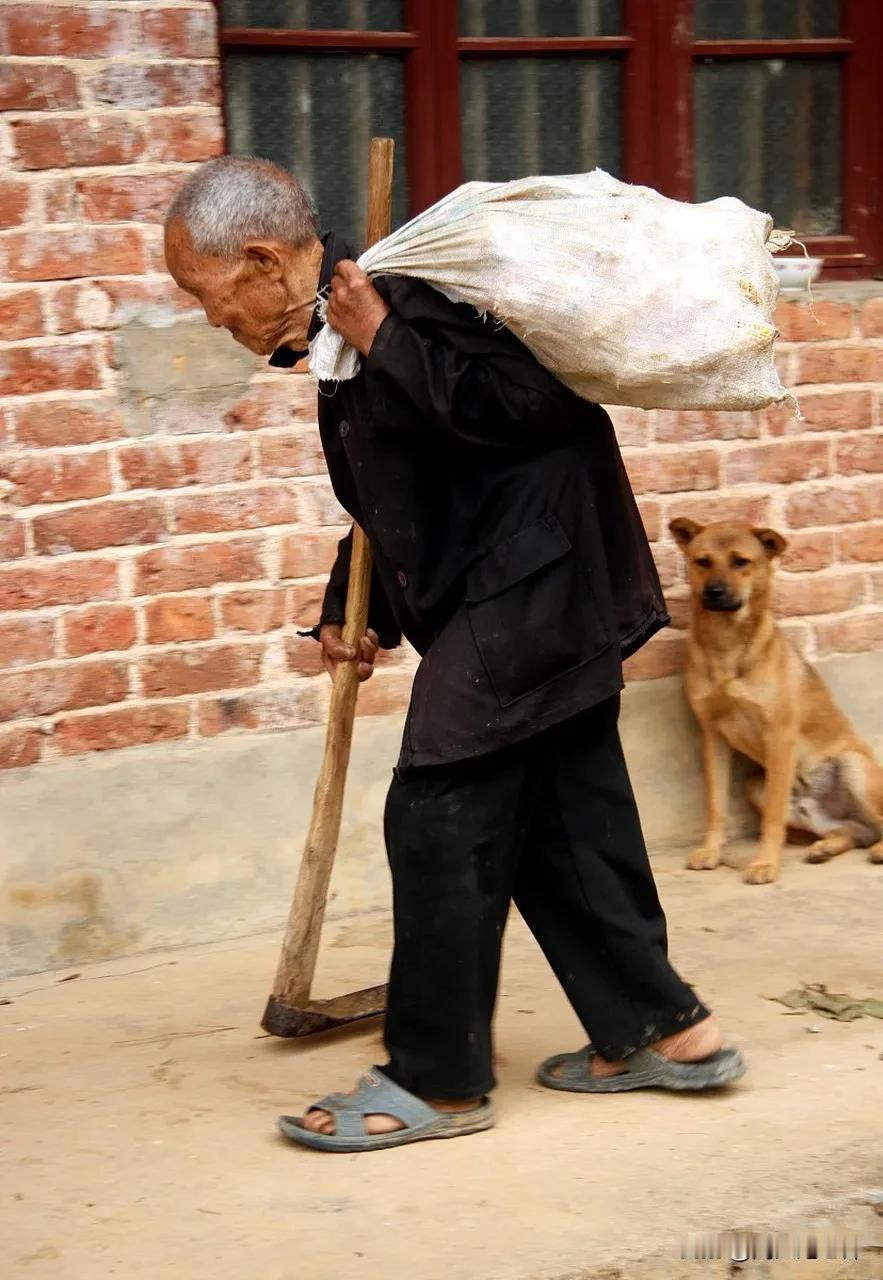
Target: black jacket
507 544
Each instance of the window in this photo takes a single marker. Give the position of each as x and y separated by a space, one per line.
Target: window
775 101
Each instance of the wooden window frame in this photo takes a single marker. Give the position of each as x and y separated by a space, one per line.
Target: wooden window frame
658 52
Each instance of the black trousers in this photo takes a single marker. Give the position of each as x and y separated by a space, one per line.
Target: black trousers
552 824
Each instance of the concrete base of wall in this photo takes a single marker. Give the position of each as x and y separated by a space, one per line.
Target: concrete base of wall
182 843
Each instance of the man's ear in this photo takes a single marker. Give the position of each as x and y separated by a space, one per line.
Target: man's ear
773 543
266 257
684 531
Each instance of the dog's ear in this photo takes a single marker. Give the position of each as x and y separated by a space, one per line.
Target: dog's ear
773 543
684 531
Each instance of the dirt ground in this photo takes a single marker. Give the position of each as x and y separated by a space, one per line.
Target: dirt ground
138 1103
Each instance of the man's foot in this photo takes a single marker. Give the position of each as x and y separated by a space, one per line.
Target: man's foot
323 1122
690 1045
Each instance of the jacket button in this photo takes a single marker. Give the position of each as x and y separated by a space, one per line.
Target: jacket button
402 578
344 428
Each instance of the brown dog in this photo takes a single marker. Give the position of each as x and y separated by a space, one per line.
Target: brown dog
752 691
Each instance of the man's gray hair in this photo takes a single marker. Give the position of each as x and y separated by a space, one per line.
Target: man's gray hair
234 199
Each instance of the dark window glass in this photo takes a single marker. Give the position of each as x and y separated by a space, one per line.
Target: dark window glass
766 19
525 116
335 15
769 132
539 17
315 116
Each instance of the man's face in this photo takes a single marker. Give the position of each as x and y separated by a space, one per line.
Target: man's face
265 298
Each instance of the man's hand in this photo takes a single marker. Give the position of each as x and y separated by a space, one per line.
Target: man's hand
334 650
355 308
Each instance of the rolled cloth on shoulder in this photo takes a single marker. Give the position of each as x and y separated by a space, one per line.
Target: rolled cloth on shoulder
626 296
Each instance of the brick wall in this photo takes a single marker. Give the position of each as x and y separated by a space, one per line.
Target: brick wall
165 523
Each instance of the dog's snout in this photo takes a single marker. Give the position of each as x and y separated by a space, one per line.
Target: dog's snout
718 597
716 590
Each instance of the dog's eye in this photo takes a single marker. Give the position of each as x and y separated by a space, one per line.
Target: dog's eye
703 562
740 562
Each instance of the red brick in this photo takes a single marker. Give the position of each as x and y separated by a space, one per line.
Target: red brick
169 466
830 593
284 707
861 546
26 640
274 404
69 254
669 563
840 364
309 552
780 462
858 634
184 568
877 581
123 727
58 477
61 144
386 693
127 198
84 31
676 472
179 33
64 423
305 603
714 508
12 539
256 610
680 608
19 746
39 586
99 524
37 86
21 315
99 629
651 515
292 454
41 691
185 137
871 318
201 670
633 427
855 454
304 656
106 304
144 88
58 199
178 618
235 509
700 424
842 505
797 322
15 198
665 655
807 552
28 370
837 411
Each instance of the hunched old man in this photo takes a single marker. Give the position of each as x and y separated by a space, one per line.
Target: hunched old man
509 551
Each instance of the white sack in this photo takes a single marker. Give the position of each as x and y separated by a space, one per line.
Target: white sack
628 297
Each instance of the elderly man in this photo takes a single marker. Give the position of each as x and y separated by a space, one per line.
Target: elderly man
509 551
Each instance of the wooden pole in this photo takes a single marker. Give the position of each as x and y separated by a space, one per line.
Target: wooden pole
300 948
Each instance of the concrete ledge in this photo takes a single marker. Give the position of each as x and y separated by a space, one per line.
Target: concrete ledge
175 844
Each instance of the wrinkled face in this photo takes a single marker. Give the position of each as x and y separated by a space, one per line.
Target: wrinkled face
728 565
265 298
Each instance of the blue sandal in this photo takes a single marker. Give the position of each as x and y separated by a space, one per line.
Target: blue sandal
376 1094
646 1069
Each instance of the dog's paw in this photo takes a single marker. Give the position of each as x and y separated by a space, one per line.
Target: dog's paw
823 850
875 853
761 871
704 859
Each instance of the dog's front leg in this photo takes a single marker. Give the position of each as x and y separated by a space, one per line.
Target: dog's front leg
781 760
717 760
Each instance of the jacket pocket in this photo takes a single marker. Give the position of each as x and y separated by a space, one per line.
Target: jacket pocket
532 611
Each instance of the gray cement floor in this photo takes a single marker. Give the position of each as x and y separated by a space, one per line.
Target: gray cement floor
138 1103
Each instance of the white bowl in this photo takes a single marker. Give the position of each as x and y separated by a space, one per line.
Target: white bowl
796 274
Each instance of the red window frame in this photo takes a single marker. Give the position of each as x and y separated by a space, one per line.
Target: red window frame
658 53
